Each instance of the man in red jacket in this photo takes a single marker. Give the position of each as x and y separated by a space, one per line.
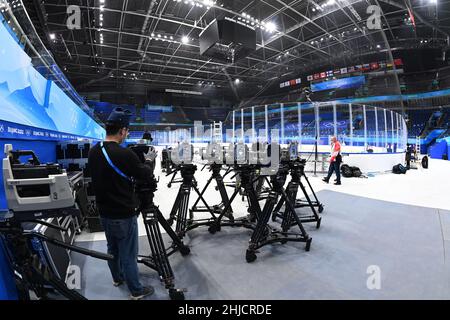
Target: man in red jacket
335 161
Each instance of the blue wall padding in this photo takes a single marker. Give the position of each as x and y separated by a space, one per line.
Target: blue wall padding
437 150
7 286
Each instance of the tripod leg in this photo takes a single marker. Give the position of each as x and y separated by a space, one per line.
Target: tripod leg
33 273
254 208
61 287
172 179
224 196
216 225
261 230
314 194
203 199
159 254
183 209
297 219
288 214
316 216
194 207
277 209
176 206
184 250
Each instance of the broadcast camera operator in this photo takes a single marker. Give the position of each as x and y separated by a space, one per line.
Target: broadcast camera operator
114 169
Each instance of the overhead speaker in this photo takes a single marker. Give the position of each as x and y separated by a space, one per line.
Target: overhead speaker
227 40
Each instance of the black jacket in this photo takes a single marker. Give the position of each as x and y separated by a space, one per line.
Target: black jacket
114 194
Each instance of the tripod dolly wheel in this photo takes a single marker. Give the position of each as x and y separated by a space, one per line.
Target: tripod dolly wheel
184 250
250 256
318 223
320 208
213 228
308 244
175 294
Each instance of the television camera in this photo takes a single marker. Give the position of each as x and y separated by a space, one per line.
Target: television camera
152 217
37 193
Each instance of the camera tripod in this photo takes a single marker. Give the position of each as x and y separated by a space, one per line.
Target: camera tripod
179 212
34 274
263 234
159 259
296 169
215 169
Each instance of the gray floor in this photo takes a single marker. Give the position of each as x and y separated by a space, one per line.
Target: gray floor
410 245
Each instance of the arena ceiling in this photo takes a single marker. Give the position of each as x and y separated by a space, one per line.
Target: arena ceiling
154 44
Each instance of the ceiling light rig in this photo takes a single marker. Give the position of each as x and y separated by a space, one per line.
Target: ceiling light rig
208 4
323 6
340 35
5 6
169 38
268 26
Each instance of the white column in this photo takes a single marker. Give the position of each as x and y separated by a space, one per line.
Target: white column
242 125
392 129
351 123
365 126
253 125
385 128
282 122
334 119
211 128
398 129
316 112
234 126
299 109
376 126
266 122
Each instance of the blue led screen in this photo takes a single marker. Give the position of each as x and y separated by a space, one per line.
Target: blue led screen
27 98
343 83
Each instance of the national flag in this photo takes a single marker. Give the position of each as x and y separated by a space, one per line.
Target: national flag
292 83
366 67
329 73
374 66
344 70
398 62
337 71
351 69
411 16
323 74
316 76
298 81
310 78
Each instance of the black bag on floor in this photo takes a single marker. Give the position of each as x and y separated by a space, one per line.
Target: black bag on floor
350 172
346 171
399 169
425 162
356 172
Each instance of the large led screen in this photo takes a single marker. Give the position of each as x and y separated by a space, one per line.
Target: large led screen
343 83
28 99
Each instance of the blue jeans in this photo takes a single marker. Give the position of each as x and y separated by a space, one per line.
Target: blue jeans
336 167
122 238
